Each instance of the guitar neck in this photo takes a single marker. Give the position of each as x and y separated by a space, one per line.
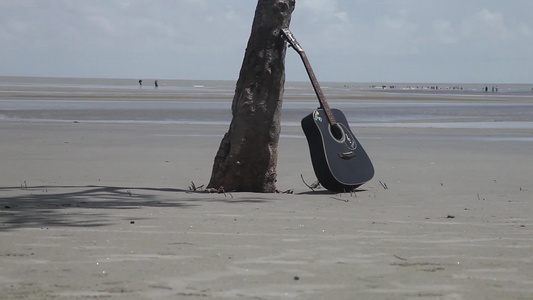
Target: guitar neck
318 91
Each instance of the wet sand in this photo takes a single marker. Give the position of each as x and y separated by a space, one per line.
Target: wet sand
103 210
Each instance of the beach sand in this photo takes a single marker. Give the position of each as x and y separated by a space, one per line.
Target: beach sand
103 211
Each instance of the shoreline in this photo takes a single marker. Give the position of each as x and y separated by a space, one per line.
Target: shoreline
171 88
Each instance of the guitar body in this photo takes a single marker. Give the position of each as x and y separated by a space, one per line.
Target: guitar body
339 161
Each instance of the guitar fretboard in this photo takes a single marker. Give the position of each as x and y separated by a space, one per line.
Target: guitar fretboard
318 91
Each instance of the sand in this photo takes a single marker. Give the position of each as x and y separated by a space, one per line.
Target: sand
95 210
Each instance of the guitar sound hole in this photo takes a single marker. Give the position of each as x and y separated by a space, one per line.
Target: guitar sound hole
337 132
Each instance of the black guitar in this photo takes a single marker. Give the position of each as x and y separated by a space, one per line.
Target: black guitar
340 162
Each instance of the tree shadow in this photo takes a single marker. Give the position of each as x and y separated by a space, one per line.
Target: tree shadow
84 206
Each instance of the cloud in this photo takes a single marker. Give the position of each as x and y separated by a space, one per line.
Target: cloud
444 32
525 30
394 35
103 24
486 24
321 25
323 16
318 7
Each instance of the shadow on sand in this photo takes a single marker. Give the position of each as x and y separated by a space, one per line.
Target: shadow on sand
84 206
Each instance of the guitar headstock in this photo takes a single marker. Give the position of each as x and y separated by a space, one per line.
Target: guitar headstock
291 39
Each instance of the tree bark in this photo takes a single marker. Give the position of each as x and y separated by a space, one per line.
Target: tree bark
247 157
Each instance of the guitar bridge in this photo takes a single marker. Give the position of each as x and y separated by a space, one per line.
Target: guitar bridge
347 155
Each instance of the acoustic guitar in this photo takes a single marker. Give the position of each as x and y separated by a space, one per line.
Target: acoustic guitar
339 161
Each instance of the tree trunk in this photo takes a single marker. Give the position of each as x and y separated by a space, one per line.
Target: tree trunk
247 157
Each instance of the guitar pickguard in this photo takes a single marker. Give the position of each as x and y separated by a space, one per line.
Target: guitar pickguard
348 138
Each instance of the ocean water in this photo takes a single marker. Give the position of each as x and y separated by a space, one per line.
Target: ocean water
409 105
333 89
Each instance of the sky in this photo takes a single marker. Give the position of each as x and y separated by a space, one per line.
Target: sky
443 41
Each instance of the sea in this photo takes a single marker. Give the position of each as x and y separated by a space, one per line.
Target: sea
208 102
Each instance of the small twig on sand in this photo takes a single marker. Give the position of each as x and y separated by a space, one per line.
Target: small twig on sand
313 186
195 188
399 257
384 185
345 200
220 190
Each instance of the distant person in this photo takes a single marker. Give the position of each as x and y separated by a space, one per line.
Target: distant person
155 83
140 82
